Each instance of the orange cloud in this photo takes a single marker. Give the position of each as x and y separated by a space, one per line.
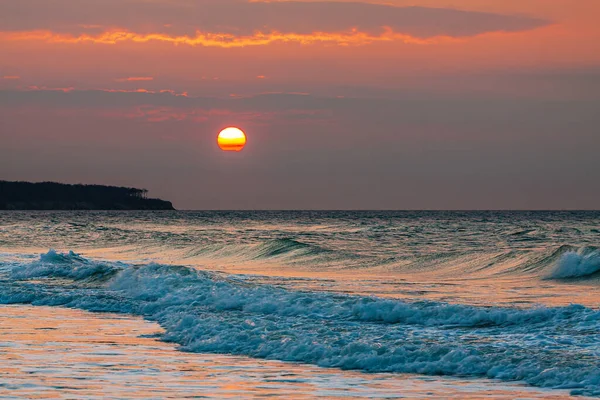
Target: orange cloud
353 37
135 79
71 89
50 89
169 91
11 77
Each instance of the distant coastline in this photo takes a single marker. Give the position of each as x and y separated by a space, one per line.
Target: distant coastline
60 196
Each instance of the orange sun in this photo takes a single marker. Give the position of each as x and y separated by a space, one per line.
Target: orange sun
231 139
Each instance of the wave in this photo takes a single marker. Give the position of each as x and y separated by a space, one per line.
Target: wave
284 251
404 253
280 247
210 313
69 265
577 264
562 262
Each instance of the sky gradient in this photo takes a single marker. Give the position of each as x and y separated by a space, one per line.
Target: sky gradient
431 104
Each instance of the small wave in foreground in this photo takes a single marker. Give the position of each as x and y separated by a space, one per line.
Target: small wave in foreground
204 312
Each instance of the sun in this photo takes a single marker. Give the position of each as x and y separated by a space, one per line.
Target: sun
231 139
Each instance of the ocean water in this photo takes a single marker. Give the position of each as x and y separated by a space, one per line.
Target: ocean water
500 303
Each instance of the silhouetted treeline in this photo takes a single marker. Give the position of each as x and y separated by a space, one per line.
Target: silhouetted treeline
59 196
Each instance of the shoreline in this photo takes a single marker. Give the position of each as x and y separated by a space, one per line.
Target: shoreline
59 352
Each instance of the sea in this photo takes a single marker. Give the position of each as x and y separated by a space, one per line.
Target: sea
300 304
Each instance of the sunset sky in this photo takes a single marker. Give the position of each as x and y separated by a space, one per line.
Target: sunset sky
398 104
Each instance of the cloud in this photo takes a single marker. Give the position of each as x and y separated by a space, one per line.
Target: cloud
467 114
237 18
135 79
222 40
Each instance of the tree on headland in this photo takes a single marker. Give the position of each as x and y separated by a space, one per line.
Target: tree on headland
60 196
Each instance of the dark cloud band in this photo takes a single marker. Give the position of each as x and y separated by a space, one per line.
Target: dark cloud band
238 17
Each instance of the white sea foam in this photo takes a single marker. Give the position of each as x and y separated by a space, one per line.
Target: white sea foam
582 263
58 265
548 347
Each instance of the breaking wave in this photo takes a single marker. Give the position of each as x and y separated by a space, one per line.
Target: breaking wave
577 264
560 262
212 313
69 265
